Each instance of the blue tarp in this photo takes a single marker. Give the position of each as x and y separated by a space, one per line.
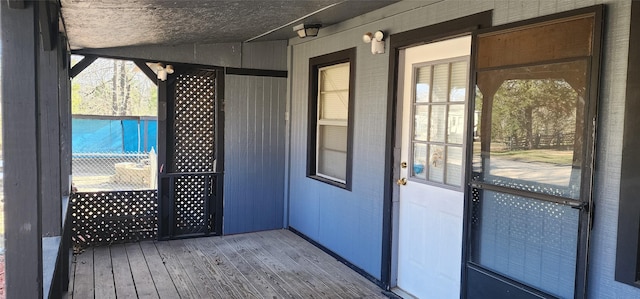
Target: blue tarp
113 135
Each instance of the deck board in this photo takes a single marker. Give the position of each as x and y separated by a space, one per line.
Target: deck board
352 280
323 288
83 286
161 278
186 288
140 272
269 264
243 287
103 273
122 276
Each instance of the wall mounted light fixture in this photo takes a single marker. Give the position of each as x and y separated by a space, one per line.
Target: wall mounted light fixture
305 30
163 71
377 41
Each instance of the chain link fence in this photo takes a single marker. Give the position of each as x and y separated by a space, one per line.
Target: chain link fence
96 172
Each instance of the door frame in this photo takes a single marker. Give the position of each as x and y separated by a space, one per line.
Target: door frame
441 31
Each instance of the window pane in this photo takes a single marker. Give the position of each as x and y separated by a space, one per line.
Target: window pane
440 82
437 126
332 164
421 122
458 91
532 241
423 84
454 166
335 77
332 138
534 128
436 163
419 161
334 105
332 151
455 129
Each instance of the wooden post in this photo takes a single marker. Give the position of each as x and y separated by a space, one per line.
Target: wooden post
23 230
49 143
65 118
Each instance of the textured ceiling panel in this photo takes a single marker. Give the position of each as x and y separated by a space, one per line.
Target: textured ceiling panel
115 23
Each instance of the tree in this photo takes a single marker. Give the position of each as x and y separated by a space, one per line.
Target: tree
113 87
525 110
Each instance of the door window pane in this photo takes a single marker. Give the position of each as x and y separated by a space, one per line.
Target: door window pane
458 92
455 128
454 166
437 127
436 163
440 82
423 84
419 161
421 123
531 241
531 139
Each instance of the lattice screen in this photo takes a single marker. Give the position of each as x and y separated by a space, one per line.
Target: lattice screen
102 218
190 214
194 123
193 142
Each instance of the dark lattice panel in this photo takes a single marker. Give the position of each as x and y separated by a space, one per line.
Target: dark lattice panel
102 218
529 240
190 205
194 123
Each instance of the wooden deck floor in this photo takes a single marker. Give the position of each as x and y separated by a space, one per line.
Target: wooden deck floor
270 264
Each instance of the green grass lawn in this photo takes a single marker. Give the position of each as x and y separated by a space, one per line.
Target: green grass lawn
538 155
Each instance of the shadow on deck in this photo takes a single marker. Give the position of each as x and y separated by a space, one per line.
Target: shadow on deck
268 264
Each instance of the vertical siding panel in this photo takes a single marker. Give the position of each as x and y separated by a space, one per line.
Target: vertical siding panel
249 153
281 127
259 147
254 178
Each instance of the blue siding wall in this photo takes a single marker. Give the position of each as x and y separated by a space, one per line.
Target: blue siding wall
350 222
254 153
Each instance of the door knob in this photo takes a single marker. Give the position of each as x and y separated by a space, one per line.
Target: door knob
402 182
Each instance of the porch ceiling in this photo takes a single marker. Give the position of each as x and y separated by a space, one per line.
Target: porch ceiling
115 23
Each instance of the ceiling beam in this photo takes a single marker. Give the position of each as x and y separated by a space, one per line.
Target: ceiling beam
81 65
147 71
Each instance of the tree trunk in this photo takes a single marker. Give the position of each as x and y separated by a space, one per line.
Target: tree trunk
114 91
528 122
122 109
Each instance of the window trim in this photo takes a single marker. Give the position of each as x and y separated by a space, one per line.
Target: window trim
627 268
315 64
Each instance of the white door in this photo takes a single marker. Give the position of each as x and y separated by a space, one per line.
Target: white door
433 88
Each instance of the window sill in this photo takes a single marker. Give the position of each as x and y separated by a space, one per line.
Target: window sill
50 248
345 186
